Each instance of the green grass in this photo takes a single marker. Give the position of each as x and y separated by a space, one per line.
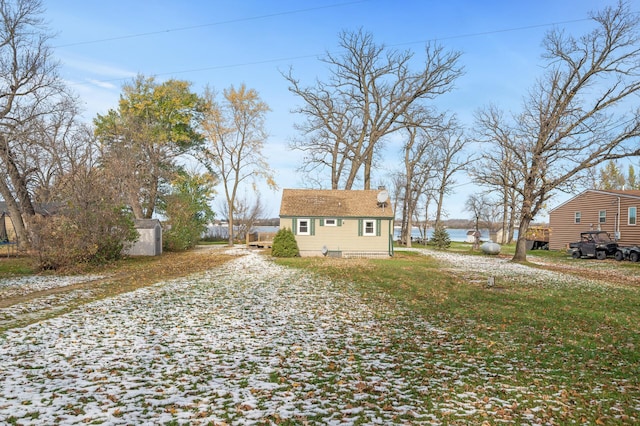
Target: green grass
505 249
214 243
16 266
558 337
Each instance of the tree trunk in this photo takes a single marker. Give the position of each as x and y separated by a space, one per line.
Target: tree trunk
439 205
512 223
230 228
521 244
137 209
367 173
405 213
505 219
153 195
408 224
18 179
16 217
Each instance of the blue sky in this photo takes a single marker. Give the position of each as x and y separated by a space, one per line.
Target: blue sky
103 44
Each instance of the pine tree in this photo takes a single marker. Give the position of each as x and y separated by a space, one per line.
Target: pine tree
610 177
441 239
632 181
285 244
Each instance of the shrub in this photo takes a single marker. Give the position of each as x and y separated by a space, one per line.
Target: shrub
440 238
187 210
284 244
81 236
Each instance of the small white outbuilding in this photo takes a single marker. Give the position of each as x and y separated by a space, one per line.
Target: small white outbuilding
150 241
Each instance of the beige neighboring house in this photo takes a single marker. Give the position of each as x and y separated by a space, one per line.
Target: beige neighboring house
614 211
339 223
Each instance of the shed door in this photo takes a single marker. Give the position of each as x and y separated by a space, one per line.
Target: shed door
158 240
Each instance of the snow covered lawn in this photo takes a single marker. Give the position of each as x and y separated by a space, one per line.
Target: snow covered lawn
251 342
244 343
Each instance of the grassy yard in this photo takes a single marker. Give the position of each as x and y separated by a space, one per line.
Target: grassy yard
16 266
577 343
416 339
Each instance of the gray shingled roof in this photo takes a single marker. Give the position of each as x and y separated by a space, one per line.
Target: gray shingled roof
333 203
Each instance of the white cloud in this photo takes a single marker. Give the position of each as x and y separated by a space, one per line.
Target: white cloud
78 65
102 84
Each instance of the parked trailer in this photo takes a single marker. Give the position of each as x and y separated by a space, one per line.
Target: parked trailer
628 253
538 238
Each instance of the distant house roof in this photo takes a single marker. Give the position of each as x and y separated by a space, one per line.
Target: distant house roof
631 193
333 203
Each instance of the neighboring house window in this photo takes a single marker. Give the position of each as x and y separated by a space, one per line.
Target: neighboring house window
577 217
603 216
632 216
330 222
304 227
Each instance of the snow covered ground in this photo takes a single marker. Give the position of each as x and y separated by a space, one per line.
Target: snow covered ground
484 266
20 286
250 342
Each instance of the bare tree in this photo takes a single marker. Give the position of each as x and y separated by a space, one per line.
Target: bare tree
419 161
29 88
369 90
421 215
248 213
496 169
477 205
449 146
575 117
235 136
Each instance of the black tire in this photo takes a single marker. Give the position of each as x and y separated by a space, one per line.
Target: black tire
576 254
619 256
634 256
601 255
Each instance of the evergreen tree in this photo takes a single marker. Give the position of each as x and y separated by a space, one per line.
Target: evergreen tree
284 244
632 180
611 177
440 239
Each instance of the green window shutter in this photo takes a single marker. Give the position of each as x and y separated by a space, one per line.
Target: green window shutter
359 227
378 226
321 221
339 222
312 227
294 223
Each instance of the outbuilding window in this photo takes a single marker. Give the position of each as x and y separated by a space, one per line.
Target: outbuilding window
577 217
632 216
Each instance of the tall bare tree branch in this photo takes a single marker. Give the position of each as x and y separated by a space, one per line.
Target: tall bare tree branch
370 88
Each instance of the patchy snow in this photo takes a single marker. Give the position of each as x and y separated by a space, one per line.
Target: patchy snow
19 286
251 342
485 266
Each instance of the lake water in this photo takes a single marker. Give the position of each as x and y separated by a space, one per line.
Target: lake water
458 235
